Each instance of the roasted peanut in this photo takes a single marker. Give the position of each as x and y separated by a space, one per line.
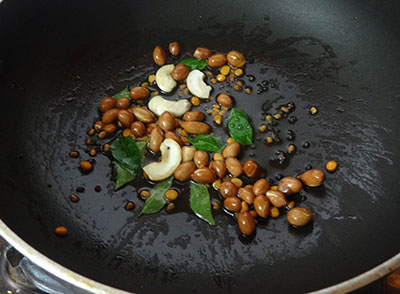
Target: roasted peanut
217 60
251 168
299 216
156 138
139 93
228 189
138 129
193 116
143 114
247 195
107 103
202 53
166 121
123 103
125 117
110 128
195 127
277 198
261 187
289 185
219 167
188 153
312 177
232 204
175 137
231 150
110 116
184 171
225 100
98 125
159 56
261 205
201 158
236 58
234 166
247 224
174 48
204 175
180 72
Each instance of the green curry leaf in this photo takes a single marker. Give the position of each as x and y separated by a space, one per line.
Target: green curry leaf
122 94
200 202
122 175
157 199
239 127
193 63
127 154
206 142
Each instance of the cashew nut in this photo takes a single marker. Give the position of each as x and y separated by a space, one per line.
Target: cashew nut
164 79
178 108
197 86
170 159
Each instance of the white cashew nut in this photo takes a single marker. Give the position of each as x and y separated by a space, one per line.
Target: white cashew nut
158 105
164 79
170 159
197 86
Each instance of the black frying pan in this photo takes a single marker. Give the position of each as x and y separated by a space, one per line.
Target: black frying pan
59 58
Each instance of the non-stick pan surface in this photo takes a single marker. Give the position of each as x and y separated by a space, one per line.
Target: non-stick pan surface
59 58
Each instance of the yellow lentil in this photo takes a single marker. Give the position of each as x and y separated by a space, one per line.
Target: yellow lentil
268 117
275 188
126 133
262 128
230 140
291 148
247 90
144 84
269 140
155 93
217 184
151 78
238 182
221 78
313 110
245 206
331 166
213 81
277 116
183 86
285 109
171 195
274 212
239 72
218 119
291 204
195 101
225 70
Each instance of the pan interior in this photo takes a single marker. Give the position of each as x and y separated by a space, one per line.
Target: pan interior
61 59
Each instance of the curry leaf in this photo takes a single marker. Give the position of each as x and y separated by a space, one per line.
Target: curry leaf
200 202
123 94
157 199
239 127
193 63
122 175
206 142
127 154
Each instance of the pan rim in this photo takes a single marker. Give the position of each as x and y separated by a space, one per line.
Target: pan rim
98 288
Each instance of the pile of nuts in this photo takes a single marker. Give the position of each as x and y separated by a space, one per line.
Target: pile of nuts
166 124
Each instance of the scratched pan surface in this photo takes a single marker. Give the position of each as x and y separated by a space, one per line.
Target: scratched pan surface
58 59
